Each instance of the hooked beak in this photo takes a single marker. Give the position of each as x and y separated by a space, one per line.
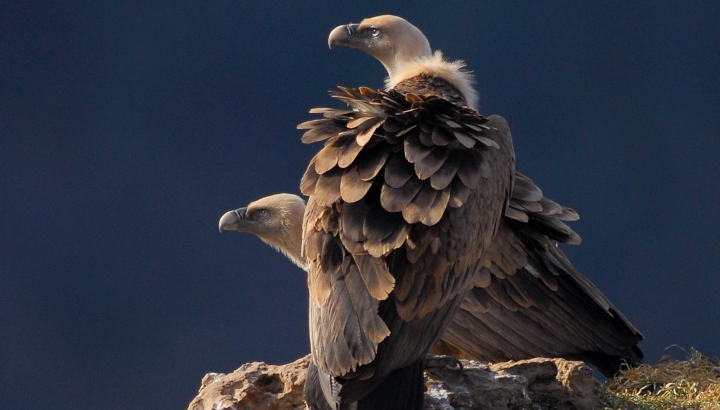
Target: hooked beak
232 220
343 35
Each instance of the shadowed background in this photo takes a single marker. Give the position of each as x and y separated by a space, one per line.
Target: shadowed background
126 131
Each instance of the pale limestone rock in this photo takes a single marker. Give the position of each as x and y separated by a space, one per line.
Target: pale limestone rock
535 384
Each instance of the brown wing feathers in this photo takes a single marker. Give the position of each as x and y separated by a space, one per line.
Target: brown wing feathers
532 302
387 174
341 171
539 216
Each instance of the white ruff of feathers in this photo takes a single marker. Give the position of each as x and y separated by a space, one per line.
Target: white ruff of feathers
435 65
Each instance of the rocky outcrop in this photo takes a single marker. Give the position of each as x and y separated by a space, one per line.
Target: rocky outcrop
535 384
255 385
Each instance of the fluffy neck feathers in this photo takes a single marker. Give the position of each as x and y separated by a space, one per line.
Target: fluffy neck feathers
435 65
284 231
289 245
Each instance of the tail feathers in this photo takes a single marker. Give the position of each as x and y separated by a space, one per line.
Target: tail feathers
313 391
323 392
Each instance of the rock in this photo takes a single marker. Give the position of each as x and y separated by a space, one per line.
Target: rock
255 385
536 384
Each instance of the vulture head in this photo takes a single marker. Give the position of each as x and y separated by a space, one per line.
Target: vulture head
276 220
390 39
404 51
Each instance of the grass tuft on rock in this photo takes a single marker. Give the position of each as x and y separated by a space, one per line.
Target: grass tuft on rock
690 384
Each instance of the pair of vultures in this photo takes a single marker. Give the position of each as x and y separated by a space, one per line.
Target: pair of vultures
419 236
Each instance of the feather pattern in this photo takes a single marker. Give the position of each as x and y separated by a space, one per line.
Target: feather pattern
442 178
388 194
370 161
415 150
396 199
432 162
348 153
398 171
352 187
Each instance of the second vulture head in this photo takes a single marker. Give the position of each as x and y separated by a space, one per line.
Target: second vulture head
276 219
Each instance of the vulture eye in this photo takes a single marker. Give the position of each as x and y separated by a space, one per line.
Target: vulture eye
375 32
264 212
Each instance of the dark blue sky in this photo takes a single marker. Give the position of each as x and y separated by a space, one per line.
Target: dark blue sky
126 131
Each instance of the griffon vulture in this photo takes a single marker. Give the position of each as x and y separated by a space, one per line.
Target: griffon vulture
404 199
528 300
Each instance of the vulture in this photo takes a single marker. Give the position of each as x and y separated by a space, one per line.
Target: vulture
527 299
404 199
